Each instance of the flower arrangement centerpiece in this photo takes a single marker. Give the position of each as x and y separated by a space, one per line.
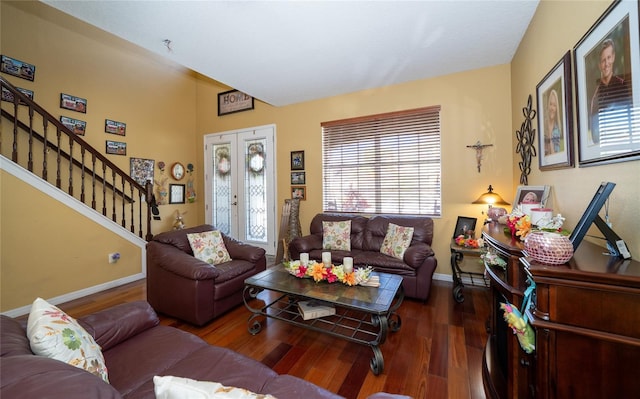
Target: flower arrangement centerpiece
332 274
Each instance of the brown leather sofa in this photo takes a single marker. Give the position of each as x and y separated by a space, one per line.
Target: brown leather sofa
136 348
189 289
367 234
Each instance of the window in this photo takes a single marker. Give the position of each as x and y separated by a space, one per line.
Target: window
386 163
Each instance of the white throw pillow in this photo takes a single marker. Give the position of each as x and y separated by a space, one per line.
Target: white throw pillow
336 235
209 247
397 240
54 334
170 387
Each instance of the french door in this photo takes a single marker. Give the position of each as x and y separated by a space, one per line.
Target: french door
240 185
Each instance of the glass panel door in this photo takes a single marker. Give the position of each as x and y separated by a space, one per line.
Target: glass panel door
240 182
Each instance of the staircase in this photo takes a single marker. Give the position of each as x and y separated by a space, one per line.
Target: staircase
35 140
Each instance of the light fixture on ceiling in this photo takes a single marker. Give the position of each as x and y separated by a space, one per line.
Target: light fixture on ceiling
490 198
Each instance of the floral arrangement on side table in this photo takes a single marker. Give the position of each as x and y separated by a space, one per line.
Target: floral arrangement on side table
465 241
335 273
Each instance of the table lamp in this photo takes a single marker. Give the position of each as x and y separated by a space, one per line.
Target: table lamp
490 198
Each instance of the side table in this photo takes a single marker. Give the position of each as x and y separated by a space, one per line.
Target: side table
457 255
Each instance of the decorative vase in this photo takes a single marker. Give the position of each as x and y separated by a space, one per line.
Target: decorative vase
549 248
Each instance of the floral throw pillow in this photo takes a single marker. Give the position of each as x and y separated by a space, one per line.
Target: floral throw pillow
209 247
397 240
54 334
336 235
170 387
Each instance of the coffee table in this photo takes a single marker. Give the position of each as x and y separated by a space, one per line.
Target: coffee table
364 315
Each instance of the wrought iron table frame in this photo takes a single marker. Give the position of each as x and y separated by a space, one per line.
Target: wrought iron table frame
355 323
457 255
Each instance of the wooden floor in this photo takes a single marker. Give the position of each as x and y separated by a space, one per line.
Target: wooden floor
437 353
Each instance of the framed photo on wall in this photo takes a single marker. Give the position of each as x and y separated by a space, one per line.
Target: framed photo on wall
17 68
73 103
607 65
141 170
299 192
555 117
176 193
116 147
297 160
298 178
75 125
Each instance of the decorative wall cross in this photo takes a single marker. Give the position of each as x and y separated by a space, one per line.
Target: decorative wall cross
478 146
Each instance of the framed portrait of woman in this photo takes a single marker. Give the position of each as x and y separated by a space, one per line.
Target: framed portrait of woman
555 117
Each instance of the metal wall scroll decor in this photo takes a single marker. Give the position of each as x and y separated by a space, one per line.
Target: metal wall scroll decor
526 142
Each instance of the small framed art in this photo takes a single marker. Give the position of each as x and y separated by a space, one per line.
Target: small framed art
233 101
75 125
17 68
113 127
297 160
73 103
299 192
298 178
176 193
116 147
141 170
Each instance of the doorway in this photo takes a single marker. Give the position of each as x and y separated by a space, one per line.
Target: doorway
240 185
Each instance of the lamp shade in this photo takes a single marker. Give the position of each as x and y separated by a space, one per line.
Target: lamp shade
490 198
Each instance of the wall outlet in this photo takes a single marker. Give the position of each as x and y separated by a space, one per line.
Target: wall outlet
113 257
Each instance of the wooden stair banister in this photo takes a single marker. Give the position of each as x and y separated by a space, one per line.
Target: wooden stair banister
118 189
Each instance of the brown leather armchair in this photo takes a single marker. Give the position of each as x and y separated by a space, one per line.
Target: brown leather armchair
184 287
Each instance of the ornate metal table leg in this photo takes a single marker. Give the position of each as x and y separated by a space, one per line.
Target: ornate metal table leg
377 361
254 325
456 258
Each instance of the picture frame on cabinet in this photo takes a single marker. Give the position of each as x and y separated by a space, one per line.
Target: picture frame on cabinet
606 129
555 117
73 103
18 68
531 195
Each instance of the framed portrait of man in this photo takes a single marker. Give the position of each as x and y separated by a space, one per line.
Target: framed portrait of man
607 60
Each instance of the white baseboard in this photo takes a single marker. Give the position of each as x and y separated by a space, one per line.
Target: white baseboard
442 277
78 294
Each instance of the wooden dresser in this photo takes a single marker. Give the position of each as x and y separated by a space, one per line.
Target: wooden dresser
586 315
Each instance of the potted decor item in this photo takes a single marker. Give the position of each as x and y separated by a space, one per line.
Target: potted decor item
549 243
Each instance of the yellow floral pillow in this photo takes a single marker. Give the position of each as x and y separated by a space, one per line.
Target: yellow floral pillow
397 240
54 334
336 235
209 247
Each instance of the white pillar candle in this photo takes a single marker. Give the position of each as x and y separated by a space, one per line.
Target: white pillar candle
326 259
347 264
304 259
541 216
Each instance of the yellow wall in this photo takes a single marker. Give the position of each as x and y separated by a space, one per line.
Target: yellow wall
475 106
51 250
547 39
168 111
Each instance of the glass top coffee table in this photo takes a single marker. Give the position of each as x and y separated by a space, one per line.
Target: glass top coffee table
363 314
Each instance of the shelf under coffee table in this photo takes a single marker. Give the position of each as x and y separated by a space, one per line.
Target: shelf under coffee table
363 314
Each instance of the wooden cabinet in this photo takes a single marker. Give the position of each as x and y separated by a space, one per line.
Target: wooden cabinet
586 315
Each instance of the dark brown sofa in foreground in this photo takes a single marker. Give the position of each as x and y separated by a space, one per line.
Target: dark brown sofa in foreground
367 234
136 348
181 286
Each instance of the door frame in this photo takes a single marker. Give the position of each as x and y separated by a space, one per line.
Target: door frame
272 233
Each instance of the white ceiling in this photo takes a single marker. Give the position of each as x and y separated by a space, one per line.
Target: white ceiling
285 52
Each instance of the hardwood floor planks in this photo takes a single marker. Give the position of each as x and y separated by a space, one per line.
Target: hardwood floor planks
436 354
